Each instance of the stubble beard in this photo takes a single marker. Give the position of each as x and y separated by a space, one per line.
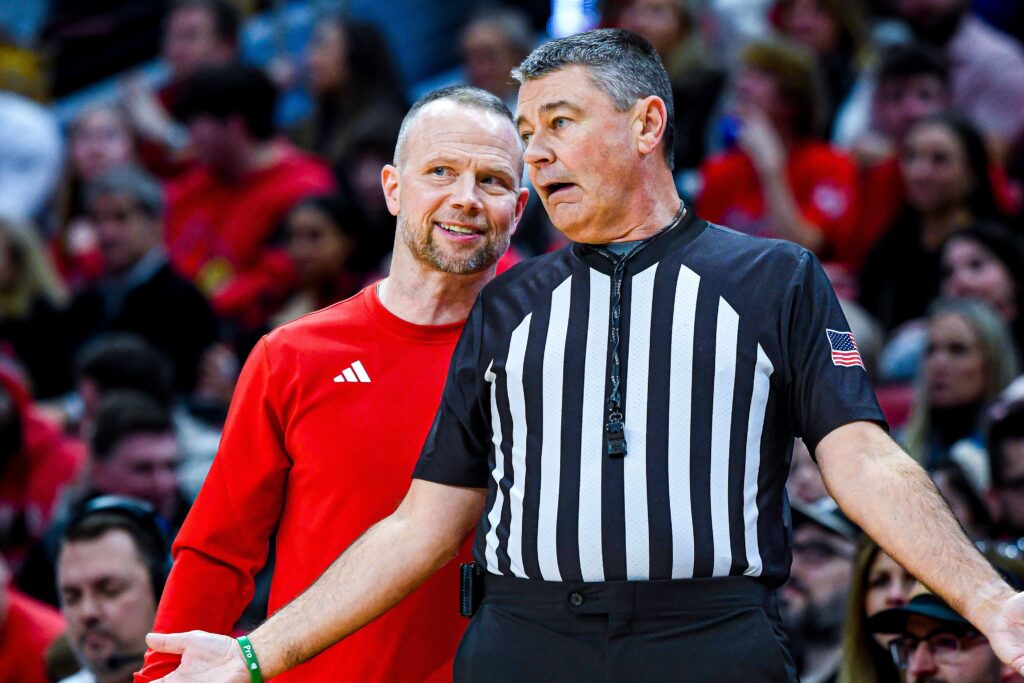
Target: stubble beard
426 250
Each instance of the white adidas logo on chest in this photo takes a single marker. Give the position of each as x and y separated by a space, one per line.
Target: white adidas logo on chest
353 373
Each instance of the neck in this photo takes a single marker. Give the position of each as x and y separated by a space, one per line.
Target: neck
937 226
422 295
653 206
254 157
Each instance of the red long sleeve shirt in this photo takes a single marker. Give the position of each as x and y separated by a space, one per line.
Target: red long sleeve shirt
320 458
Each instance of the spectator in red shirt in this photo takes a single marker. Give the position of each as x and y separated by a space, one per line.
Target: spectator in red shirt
369 370
224 216
781 180
27 628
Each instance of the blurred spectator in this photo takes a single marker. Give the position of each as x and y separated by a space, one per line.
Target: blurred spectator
30 159
355 90
672 27
493 43
987 66
969 359
99 139
805 483
835 32
944 166
113 562
878 583
27 628
963 496
782 180
323 239
224 216
31 299
1005 443
986 262
953 650
196 33
37 463
813 598
139 292
133 452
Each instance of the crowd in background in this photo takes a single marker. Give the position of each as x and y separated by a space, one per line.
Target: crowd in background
179 177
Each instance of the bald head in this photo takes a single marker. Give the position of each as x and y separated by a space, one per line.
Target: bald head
461 97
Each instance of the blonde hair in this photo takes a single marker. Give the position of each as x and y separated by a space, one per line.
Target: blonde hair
861 661
36 276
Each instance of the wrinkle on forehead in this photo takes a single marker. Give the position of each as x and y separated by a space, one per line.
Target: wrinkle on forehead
463 127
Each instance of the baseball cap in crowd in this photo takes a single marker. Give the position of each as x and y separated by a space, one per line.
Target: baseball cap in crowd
825 513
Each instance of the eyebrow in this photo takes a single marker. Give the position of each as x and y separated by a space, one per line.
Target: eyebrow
549 107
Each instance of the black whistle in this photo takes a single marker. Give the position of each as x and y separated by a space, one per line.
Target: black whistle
616 439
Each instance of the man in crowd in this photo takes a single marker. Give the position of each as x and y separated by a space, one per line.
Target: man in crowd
937 644
224 215
493 42
578 375
27 628
369 370
1005 446
111 570
814 598
139 291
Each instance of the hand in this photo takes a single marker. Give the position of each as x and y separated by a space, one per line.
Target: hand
759 139
1006 634
205 657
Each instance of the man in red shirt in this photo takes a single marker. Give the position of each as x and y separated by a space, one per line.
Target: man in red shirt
27 628
780 180
224 215
321 398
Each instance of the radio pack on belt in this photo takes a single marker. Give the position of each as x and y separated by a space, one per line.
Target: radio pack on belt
471 588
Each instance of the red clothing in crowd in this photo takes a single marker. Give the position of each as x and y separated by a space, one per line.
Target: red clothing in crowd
320 443
33 480
29 629
220 234
824 184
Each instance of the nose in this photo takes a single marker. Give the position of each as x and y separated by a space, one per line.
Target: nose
537 153
894 596
465 194
921 663
87 610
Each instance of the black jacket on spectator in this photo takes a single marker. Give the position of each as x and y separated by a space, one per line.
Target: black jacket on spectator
900 278
38 341
159 305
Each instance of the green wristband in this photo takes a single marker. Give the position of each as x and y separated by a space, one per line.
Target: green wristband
249 654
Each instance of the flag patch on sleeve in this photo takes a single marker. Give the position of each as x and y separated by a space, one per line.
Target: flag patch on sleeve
844 348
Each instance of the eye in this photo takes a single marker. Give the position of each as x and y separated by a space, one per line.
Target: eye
559 122
438 171
526 137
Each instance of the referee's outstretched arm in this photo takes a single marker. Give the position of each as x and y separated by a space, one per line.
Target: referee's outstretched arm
890 496
387 563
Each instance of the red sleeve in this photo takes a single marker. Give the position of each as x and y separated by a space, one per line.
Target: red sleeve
826 193
714 197
225 538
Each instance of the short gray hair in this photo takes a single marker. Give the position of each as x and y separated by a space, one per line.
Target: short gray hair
460 94
621 63
130 181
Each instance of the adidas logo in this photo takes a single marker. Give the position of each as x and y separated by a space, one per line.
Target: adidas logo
354 373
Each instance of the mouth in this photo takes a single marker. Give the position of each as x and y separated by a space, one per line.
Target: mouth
552 189
459 231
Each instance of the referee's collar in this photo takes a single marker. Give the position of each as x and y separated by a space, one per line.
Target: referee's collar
672 237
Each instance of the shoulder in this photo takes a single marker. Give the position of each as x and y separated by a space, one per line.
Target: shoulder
544 271
334 321
817 153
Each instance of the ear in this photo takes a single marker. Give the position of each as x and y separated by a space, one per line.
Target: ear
649 124
389 182
524 196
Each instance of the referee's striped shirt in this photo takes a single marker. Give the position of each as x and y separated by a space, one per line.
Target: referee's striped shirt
724 356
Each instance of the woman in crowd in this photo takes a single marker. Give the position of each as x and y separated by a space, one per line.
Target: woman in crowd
968 360
99 139
986 262
835 33
878 584
355 90
944 165
324 236
962 480
31 299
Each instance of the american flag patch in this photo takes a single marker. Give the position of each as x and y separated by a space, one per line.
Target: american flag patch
844 348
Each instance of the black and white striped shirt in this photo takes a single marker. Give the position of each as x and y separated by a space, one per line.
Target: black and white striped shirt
724 358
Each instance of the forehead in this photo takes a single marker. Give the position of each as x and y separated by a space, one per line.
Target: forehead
447 127
145 446
919 626
85 561
572 85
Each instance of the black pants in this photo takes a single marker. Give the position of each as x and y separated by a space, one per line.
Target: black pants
715 630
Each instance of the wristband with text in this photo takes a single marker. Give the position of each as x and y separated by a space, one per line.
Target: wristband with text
249 654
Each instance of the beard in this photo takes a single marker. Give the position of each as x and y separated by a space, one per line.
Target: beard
426 249
812 625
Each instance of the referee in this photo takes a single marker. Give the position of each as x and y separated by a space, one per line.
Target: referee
618 421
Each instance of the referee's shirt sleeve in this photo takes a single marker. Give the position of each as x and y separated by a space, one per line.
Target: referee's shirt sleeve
456 449
825 392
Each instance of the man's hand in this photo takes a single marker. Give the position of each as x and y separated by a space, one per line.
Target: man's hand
1006 633
205 657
